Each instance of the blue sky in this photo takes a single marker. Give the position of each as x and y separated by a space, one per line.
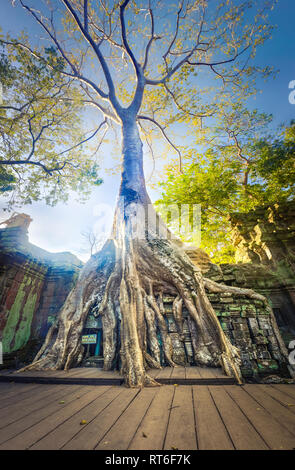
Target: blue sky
59 228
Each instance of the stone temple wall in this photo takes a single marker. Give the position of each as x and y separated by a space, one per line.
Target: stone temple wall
250 327
33 286
266 281
267 236
246 322
265 255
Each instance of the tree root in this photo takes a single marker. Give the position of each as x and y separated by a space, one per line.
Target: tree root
125 283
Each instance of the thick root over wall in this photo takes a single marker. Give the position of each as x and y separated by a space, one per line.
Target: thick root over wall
125 283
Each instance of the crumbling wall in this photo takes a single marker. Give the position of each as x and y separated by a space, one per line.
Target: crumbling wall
267 236
33 286
246 322
250 327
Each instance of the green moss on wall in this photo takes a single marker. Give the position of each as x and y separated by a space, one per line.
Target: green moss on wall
18 326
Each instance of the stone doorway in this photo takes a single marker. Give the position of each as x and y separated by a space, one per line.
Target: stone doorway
93 351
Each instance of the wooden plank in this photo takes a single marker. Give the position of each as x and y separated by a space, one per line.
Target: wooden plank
17 394
181 432
91 435
24 440
192 372
242 433
121 434
6 371
211 431
13 387
153 372
82 377
165 373
33 373
218 372
76 372
151 433
6 387
207 373
37 373
62 434
288 389
178 373
275 435
95 372
19 409
21 428
281 397
279 412
107 374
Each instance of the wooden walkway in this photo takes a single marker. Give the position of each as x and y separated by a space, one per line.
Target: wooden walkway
94 376
40 416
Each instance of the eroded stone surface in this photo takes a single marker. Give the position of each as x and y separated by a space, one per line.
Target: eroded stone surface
33 286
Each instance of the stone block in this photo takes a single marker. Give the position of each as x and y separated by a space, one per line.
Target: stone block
267 365
260 340
226 300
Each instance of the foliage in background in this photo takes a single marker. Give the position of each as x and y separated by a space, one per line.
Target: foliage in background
41 132
250 168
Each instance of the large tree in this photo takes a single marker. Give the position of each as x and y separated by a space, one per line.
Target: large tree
143 52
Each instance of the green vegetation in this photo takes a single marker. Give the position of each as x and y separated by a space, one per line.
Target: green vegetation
42 156
251 168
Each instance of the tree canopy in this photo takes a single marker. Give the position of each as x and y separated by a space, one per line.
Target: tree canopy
254 167
42 156
170 63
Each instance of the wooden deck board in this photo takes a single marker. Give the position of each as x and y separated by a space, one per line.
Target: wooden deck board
19 430
192 373
284 416
54 419
6 387
120 435
152 430
165 373
242 433
287 389
167 417
211 432
178 373
181 432
62 434
209 372
281 397
43 395
275 435
153 372
89 437
10 395
95 376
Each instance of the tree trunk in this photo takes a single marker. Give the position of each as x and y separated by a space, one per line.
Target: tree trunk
125 283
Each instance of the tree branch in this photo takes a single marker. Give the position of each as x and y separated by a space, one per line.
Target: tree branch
29 162
83 141
86 15
76 76
124 38
166 137
112 94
